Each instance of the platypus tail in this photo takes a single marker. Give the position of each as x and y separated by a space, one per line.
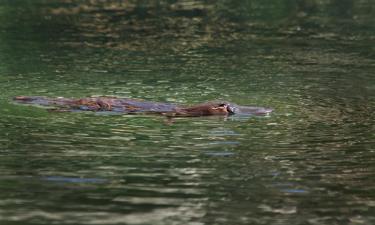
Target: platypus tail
43 101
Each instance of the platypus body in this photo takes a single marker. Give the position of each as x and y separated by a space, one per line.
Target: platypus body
132 106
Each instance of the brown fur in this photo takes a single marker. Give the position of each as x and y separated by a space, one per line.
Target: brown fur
208 109
113 103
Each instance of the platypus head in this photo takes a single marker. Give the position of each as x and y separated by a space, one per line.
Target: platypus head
222 109
209 109
225 108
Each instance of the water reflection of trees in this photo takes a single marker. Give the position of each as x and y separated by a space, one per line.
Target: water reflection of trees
141 25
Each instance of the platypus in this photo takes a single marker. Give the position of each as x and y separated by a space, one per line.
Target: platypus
132 106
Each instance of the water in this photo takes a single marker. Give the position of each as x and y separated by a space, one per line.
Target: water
309 162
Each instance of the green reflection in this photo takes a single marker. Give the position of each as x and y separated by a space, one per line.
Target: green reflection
310 162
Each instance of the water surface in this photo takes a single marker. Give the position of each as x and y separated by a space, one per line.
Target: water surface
309 162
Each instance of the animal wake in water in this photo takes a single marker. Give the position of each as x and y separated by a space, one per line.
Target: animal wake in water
133 106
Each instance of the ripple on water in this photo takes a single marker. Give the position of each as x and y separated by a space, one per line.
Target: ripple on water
309 162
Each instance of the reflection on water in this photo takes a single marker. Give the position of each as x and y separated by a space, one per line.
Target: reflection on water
309 162
73 179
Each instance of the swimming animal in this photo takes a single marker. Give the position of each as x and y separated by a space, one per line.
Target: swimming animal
133 106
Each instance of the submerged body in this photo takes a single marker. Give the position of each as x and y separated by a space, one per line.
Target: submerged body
131 106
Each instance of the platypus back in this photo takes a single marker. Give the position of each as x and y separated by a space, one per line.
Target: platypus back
126 105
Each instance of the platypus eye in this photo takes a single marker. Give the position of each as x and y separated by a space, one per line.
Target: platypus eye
229 108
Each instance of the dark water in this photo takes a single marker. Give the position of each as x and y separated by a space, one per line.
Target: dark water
310 162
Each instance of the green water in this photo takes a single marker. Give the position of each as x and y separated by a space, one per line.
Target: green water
310 162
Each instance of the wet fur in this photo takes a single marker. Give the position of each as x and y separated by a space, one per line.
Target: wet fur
126 106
